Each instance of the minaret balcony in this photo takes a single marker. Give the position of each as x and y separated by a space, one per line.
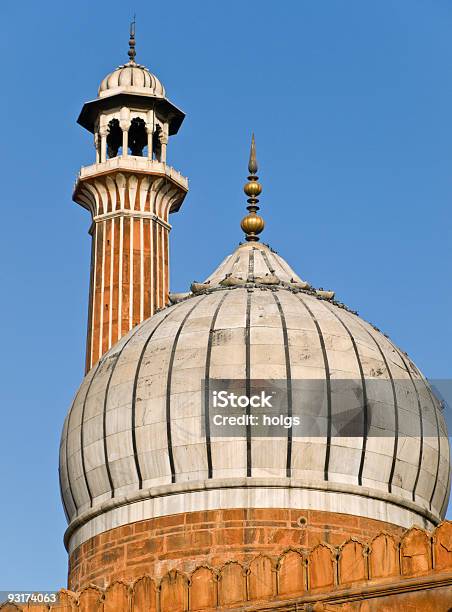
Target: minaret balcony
131 163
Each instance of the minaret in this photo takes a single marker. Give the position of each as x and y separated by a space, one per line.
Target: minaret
130 192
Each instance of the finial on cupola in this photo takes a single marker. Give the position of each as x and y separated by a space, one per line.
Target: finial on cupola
132 53
252 224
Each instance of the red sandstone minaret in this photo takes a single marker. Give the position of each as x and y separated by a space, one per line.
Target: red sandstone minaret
130 192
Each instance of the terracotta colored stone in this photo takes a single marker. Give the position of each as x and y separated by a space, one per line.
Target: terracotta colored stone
443 546
261 578
173 592
116 597
321 567
415 552
352 562
383 557
231 585
90 600
144 596
203 589
291 578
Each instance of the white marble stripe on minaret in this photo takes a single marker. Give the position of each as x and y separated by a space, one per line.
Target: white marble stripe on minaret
131 275
167 253
93 301
157 265
141 270
121 247
151 244
104 230
163 265
112 265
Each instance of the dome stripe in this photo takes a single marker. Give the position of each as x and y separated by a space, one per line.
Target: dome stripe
328 387
278 260
207 386
447 494
168 390
289 384
421 423
61 465
267 263
237 259
134 399
421 377
439 442
363 383
66 513
251 265
69 486
396 407
104 418
71 490
82 426
248 381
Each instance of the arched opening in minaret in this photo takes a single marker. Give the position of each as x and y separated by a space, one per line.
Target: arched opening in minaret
138 138
156 144
114 138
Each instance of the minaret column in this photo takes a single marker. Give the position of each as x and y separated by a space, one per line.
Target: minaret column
150 126
163 142
97 147
103 132
124 124
130 247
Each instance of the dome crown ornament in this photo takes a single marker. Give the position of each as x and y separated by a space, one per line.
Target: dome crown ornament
252 224
132 52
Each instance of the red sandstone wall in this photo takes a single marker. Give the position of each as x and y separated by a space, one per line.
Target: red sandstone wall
413 572
185 541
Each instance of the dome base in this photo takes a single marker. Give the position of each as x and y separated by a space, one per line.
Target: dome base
188 540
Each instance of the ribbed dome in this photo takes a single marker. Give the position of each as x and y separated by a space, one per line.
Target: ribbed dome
133 446
131 78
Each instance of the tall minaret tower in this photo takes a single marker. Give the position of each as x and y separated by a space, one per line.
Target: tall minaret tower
130 192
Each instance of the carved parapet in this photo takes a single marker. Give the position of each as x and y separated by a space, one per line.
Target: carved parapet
323 578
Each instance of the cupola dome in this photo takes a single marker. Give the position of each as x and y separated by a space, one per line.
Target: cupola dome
131 78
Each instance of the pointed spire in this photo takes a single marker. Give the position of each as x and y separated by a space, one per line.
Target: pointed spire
252 224
252 164
132 53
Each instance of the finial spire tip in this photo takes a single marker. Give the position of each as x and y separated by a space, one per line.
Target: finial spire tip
252 164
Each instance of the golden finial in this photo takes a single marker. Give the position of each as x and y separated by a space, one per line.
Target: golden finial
132 53
252 224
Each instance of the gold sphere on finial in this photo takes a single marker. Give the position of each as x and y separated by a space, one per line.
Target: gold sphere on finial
252 224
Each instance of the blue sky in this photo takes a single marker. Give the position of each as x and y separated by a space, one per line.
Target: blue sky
351 104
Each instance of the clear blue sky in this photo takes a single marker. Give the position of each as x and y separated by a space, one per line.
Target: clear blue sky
351 103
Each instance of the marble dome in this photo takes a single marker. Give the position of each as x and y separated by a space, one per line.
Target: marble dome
131 78
132 444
